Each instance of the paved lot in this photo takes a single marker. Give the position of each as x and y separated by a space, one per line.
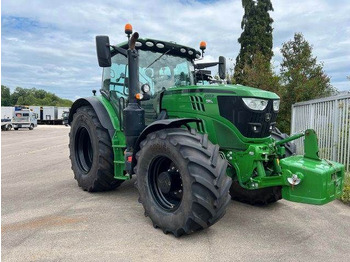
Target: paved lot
46 217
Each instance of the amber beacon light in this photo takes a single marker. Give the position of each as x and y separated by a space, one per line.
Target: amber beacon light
202 46
128 29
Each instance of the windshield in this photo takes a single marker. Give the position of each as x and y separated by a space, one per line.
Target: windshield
164 71
160 71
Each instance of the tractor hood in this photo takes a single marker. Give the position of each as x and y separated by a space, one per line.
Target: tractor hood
222 105
236 90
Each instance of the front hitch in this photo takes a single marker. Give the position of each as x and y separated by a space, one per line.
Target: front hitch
305 179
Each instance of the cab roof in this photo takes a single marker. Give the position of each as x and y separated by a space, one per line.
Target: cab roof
160 46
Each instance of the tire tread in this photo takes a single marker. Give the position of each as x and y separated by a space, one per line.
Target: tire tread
104 177
210 198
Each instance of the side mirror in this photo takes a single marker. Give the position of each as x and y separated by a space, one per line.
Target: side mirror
103 51
222 67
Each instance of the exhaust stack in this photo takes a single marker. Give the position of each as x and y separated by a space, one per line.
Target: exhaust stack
134 114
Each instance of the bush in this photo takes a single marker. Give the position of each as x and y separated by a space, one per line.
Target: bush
345 197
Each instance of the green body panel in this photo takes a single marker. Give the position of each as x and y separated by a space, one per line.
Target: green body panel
177 101
238 90
118 141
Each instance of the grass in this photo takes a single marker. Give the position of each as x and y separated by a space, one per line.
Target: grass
345 197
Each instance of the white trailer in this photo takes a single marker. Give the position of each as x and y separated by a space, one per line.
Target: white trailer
36 111
49 113
60 111
7 112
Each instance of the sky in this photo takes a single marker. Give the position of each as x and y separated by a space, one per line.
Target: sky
51 44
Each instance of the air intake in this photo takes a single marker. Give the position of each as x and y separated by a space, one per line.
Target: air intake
197 103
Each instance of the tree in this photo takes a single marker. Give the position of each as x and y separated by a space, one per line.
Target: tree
19 92
260 75
5 96
256 38
33 97
302 78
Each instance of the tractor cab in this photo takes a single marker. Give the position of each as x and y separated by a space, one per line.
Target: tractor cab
161 66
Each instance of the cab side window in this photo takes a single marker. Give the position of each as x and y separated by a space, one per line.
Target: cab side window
115 77
182 74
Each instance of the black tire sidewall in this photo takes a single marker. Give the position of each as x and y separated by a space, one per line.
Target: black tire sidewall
81 119
162 217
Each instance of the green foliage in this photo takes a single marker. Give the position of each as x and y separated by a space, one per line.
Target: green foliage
32 97
302 78
345 197
5 96
260 74
256 38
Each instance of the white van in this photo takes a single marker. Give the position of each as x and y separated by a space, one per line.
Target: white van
24 118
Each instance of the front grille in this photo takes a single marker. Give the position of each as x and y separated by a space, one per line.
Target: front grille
21 119
251 123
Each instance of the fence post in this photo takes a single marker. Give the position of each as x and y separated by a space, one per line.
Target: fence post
312 116
292 131
335 131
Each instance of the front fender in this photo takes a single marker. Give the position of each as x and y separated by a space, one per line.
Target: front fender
100 110
159 125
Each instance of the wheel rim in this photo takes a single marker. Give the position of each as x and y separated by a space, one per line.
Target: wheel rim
165 183
84 151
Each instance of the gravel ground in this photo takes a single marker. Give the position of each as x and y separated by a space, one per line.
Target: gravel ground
45 216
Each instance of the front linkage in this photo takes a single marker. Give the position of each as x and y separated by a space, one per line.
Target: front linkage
305 179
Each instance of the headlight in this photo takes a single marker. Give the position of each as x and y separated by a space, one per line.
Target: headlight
276 105
255 103
145 88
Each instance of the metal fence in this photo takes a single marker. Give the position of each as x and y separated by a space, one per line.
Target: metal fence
330 118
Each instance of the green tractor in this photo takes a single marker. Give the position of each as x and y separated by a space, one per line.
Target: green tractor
192 146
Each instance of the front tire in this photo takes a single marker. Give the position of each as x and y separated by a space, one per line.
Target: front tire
31 127
182 181
91 152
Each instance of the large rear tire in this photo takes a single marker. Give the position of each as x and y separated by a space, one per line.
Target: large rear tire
182 181
266 195
91 152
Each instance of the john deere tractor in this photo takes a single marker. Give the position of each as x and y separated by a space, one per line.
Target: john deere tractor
191 146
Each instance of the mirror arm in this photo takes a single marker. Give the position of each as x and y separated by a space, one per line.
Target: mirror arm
120 50
205 65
